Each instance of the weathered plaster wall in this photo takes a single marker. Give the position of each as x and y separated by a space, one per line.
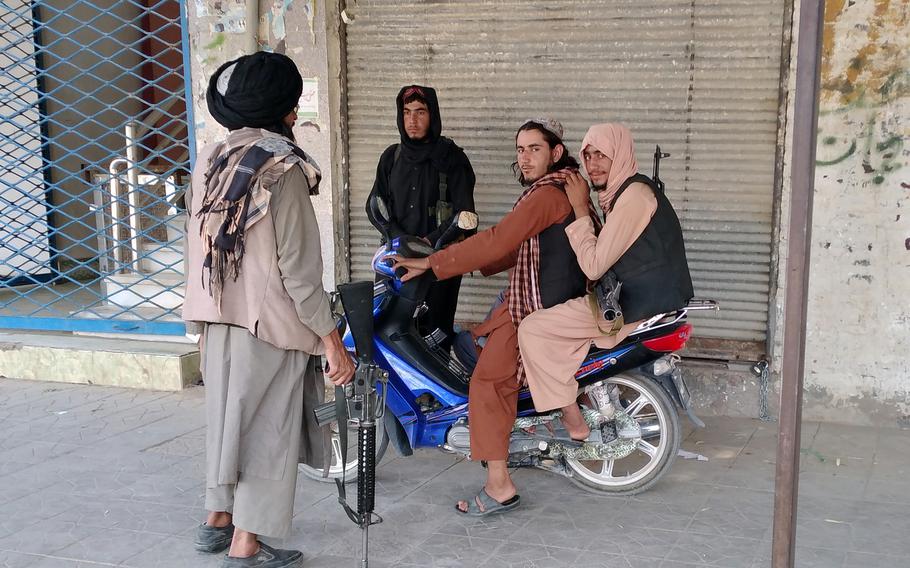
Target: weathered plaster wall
858 329
293 27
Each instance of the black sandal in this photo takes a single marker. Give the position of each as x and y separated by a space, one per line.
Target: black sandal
483 505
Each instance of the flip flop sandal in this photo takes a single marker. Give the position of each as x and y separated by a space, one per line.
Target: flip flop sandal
482 505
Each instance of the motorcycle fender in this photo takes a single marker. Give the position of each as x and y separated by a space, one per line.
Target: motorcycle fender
666 381
681 399
396 433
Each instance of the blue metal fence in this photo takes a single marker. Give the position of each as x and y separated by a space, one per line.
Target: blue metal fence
95 150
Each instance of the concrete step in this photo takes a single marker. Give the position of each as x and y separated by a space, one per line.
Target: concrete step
158 258
175 227
157 291
137 314
117 362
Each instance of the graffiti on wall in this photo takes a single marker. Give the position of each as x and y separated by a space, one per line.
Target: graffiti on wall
865 87
864 131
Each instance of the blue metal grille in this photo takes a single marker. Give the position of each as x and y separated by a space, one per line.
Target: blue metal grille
95 151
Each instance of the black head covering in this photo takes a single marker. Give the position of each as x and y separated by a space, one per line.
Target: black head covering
429 95
258 91
434 147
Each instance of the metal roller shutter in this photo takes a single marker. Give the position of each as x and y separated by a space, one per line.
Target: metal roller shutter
700 78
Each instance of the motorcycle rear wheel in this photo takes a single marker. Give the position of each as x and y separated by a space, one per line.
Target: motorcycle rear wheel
648 403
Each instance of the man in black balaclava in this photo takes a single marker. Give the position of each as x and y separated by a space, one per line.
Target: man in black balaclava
425 180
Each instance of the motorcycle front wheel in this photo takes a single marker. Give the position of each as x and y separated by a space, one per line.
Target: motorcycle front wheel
648 404
347 466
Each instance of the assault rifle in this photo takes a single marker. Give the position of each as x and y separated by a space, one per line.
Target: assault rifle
359 405
658 155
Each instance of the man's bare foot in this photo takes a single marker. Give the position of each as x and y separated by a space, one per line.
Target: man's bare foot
218 519
502 495
574 422
499 484
244 545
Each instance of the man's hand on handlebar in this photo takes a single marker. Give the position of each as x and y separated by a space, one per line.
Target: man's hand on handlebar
414 266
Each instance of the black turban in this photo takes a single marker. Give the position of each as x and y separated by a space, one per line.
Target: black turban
257 92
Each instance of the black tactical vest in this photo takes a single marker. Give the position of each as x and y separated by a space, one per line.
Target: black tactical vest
654 272
561 279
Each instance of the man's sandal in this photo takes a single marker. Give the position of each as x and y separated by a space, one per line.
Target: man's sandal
483 505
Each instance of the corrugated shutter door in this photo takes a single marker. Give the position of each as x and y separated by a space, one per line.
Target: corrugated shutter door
699 78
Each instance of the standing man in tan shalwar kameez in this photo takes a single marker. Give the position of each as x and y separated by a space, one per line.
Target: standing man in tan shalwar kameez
254 279
531 243
641 240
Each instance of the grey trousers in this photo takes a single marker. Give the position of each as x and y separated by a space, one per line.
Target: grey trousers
254 411
260 506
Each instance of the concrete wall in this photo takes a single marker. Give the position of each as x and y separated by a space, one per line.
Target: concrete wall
859 314
858 328
295 28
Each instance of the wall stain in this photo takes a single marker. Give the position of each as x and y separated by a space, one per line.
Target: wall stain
870 407
216 42
865 78
877 61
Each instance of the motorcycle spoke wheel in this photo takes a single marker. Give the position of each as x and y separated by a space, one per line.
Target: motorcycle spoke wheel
645 402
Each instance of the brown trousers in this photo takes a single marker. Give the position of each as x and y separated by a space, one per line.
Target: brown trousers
493 392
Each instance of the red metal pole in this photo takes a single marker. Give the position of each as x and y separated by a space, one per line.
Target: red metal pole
805 122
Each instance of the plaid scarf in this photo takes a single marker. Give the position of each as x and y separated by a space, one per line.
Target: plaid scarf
524 278
241 170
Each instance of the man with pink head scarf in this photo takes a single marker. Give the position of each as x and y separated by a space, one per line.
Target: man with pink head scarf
641 242
613 142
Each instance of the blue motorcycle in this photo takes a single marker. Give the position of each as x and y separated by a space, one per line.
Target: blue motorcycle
631 395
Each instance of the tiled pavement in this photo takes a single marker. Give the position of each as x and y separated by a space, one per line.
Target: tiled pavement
97 476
